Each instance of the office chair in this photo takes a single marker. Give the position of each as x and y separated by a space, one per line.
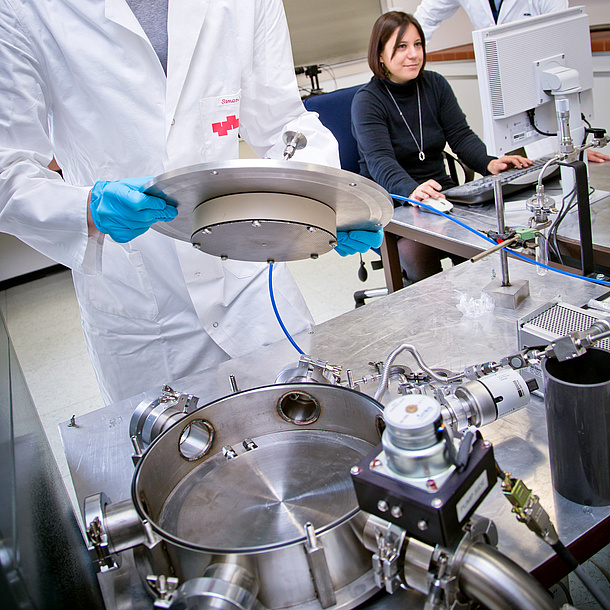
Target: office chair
335 110
452 163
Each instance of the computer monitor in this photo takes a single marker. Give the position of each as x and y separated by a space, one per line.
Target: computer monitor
519 63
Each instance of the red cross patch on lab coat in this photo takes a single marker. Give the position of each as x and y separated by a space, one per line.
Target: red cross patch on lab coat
222 128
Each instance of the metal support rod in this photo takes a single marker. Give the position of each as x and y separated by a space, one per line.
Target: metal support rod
233 383
584 216
502 244
499 200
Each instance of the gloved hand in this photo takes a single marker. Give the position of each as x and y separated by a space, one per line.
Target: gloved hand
352 242
120 209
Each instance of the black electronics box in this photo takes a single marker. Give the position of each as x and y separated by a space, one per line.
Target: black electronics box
433 518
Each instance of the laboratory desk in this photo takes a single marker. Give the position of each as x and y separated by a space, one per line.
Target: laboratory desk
439 232
99 450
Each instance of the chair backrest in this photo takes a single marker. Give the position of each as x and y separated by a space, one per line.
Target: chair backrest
335 111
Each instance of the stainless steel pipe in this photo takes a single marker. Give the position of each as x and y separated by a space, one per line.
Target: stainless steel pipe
497 582
124 526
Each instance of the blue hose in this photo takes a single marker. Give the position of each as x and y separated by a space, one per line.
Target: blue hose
517 254
277 313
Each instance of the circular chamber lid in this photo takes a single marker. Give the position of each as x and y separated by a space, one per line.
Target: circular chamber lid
265 210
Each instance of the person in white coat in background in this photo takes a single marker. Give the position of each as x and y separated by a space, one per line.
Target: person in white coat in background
482 13
486 14
112 89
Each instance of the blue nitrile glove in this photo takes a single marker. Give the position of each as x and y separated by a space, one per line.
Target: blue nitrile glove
352 242
120 209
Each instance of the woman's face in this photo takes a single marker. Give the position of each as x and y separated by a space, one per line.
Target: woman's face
409 56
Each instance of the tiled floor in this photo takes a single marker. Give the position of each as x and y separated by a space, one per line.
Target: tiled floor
43 321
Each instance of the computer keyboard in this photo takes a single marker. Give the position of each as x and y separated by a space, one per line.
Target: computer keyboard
512 180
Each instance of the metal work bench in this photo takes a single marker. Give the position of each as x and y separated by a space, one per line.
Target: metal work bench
439 232
99 450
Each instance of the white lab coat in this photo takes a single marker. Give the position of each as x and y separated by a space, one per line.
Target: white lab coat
79 80
430 13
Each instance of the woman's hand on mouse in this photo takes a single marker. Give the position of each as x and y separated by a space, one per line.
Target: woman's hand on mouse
426 190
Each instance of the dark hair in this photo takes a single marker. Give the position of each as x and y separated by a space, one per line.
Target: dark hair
383 29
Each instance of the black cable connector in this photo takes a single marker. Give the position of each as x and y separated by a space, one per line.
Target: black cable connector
528 510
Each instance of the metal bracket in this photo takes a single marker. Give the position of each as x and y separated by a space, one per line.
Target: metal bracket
319 568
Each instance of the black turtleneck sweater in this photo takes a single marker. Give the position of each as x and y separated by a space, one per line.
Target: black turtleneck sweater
388 152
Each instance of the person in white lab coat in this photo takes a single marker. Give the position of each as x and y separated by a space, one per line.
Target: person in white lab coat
486 14
431 13
81 83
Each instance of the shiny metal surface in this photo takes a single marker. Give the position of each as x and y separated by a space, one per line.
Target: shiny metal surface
123 526
499 583
274 477
266 462
359 203
440 232
291 478
264 227
425 314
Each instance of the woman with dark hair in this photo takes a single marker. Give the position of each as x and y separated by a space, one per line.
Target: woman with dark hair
403 119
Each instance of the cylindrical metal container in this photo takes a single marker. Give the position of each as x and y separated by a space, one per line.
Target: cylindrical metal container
411 441
241 477
577 399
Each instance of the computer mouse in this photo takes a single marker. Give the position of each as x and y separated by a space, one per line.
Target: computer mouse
440 205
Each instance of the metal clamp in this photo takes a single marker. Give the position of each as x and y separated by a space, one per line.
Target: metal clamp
386 565
111 529
152 417
103 559
308 370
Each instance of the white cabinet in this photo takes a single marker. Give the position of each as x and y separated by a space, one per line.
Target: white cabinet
17 258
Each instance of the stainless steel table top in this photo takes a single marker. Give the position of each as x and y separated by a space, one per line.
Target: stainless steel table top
438 231
425 315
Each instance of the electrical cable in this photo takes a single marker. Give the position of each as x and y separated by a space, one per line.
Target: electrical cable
581 156
561 214
331 71
566 556
529 511
483 236
531 114
277 313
